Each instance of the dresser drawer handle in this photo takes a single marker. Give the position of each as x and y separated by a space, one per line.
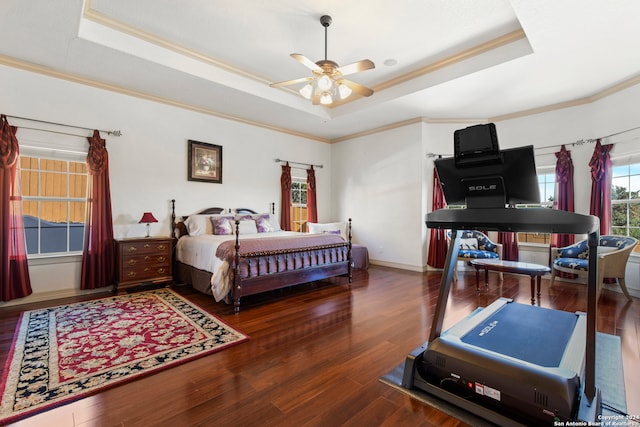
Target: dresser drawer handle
161 270
132 274
132 249
161 247
161 259
132 261
146 269
147 245
147 258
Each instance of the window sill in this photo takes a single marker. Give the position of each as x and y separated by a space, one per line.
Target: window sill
55 259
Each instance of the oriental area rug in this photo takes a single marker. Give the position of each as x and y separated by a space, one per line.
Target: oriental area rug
61 354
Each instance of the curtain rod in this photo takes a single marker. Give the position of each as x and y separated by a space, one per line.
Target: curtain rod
108 132
573 144
298 163
588 140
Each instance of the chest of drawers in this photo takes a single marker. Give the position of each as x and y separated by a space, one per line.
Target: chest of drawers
142 260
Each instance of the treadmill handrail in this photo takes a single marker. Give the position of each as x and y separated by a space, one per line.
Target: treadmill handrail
540 220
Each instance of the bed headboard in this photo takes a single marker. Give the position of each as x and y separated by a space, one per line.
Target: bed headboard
182 229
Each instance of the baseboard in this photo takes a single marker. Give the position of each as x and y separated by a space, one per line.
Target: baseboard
52 295
418 268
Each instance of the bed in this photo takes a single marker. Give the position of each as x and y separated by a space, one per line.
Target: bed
234 254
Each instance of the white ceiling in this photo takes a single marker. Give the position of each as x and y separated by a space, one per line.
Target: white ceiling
466 60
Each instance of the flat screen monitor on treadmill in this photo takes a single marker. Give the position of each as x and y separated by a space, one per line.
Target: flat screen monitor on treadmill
481 175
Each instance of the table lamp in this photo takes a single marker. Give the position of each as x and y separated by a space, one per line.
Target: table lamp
148 218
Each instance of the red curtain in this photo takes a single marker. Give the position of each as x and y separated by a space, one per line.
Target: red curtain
563 199
509 241
600 205
98 257
438 240
312 206
285 203
14 270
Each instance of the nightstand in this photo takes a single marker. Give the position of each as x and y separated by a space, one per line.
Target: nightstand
143 260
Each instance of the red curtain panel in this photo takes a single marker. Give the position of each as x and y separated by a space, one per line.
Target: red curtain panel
98 257
564 197
563 200
509 242
14 270
312 206
438 240
600 205
285 203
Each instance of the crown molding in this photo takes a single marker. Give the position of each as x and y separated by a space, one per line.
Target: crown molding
50 72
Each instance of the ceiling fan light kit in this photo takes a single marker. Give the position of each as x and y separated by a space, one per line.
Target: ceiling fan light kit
328 83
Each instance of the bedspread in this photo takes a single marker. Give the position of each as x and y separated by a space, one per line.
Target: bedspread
216 254
277 254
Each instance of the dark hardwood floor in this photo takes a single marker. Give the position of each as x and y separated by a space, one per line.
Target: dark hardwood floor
316 353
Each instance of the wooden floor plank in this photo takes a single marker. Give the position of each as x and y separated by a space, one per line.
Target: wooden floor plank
316 353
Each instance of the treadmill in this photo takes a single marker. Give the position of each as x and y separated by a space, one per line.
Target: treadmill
509 363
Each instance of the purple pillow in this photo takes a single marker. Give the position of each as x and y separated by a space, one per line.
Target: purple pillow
332 232
222 225
263 223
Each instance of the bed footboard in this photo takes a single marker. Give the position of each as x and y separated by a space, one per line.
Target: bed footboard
262 271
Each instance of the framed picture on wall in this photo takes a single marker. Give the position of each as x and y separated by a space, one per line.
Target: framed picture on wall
205 162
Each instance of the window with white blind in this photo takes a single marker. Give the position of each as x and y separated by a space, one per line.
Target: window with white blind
299 203
53 203
625 200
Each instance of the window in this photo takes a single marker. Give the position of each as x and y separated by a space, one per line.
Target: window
53 204
625 201
299 203
547 185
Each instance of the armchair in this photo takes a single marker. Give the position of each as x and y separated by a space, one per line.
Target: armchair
474 245
613 254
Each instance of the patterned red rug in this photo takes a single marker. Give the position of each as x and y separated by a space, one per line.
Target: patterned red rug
65 353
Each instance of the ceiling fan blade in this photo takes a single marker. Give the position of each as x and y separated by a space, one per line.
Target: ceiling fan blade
356 67
291 82
358 88
306 62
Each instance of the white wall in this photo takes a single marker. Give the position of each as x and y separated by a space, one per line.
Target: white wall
377 182
148 164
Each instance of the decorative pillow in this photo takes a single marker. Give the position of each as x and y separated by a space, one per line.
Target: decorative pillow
247 226
332 232
318 228
469 244
263 223
199 224
222 225
275 222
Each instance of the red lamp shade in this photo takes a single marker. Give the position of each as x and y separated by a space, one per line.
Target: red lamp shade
148 217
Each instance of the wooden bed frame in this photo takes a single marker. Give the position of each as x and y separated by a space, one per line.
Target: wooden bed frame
266 280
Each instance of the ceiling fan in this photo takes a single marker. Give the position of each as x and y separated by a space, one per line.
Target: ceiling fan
328 83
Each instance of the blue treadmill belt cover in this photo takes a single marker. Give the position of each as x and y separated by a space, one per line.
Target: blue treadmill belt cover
530 333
